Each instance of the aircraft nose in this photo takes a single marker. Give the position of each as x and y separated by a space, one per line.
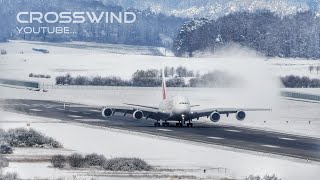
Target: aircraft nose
182 110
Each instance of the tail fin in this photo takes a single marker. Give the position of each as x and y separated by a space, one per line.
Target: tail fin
164 86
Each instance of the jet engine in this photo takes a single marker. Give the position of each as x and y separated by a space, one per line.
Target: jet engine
137 114
214 116
107 112
240 115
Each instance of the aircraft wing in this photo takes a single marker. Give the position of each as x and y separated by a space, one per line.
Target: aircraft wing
148 112
143 106
207 112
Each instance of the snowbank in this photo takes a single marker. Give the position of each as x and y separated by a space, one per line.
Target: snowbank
158 151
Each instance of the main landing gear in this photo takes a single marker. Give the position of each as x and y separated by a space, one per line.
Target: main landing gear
156 124
179 124
189 125
165 124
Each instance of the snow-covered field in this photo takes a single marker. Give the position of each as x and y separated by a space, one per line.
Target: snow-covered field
93 59
158 151
260 89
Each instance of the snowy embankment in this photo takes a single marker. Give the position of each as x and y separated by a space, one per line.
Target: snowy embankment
160 152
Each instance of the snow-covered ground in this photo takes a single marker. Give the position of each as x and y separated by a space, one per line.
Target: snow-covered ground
93 59
260 89
158 151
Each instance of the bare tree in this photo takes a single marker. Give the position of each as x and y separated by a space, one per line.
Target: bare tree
318 69
311 68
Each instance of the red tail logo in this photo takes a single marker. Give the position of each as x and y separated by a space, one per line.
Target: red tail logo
164 87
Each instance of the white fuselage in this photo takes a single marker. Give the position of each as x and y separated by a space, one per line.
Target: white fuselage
177 107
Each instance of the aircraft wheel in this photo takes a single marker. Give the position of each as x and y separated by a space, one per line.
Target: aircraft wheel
156 124
189 125
165 124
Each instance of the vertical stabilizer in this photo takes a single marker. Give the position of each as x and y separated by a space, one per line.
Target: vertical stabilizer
164 86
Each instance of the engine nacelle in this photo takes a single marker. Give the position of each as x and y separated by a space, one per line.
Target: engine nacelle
240 115
137 114
214 116
107 112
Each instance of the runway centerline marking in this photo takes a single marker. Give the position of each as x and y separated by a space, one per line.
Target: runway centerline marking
167 130
74 116
271 146
74 111
86 113
232 130
289 139
212 137
60 109
37 110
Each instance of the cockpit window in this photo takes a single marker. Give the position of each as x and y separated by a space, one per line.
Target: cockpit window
183 103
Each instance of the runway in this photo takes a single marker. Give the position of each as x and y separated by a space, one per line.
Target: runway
237 137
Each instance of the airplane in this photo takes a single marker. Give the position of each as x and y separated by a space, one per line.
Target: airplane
176 109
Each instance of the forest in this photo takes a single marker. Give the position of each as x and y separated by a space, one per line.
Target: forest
292 36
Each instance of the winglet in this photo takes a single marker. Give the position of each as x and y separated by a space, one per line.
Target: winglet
164 86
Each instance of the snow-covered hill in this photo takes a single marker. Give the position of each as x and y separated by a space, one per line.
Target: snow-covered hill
216 8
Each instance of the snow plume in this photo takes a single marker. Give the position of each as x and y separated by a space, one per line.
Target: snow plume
257 85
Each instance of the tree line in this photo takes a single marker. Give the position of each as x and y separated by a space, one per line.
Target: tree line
175 77
292 81
153 78
295 36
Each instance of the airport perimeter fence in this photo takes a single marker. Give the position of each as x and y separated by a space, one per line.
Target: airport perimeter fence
26 84
299 95
89 87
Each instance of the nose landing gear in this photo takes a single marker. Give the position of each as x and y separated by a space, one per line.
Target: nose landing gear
183 121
